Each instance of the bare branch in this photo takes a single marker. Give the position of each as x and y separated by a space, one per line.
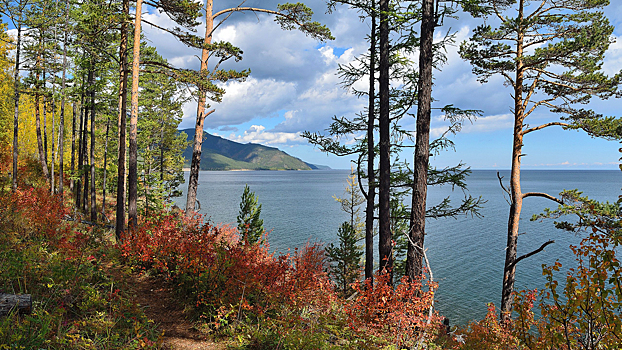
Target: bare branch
503 187
543 126
511 266
240 9
543 195
532 89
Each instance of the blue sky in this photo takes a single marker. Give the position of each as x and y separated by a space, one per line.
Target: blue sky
293 87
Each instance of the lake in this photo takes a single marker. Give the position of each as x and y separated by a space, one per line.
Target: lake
466 254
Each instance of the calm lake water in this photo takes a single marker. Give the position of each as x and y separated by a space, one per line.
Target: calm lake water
466 254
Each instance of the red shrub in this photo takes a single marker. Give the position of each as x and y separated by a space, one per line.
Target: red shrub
398 314
211 265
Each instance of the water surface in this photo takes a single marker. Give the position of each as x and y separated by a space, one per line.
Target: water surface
466 254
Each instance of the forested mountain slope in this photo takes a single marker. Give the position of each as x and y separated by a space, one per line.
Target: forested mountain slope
222 154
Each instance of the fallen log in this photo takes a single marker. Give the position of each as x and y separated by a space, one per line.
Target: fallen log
22 302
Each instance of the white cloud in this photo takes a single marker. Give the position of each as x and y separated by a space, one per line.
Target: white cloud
489 124
258 134
613 57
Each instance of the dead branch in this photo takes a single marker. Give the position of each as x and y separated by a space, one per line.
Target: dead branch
503 187
544 195
511 266
543 126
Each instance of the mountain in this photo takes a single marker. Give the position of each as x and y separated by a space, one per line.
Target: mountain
222 154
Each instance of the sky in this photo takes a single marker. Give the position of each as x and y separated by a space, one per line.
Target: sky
294 87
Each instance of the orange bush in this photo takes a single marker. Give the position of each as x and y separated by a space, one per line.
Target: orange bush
211 265
398 314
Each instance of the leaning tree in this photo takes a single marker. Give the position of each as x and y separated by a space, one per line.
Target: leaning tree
550 52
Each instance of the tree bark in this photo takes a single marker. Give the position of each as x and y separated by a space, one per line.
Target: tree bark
73 147
92 148
42 161
371 176
385 248
8 302
61 126
80 154
414 257
42 157
132 179
509 271
105 218
123 73
193 181
16 114
53 163
85 142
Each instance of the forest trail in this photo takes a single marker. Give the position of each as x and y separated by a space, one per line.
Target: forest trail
156 298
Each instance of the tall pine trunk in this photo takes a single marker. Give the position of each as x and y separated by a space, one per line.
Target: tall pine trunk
105 218
16 114
132 179
385 244
73 147
61 127
121 124
85 143
509 271
80 154
195 166
44 165
52 154
93 194
414 257
371 176
42 157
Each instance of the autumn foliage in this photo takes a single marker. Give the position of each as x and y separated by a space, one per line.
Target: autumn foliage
215 268
230 280
582 313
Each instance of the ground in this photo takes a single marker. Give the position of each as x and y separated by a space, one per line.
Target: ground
156 298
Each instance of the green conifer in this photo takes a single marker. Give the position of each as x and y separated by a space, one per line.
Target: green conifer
249 223
345 259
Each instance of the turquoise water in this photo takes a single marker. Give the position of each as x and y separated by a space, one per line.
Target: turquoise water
466 254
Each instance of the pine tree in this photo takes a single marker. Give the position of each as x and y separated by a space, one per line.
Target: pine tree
249 223
551 56
345 259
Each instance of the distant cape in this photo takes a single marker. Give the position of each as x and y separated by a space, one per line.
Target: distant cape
218 153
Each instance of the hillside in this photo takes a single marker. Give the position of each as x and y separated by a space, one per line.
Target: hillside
222 154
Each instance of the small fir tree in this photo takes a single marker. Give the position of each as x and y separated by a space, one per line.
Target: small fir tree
249 223
345 260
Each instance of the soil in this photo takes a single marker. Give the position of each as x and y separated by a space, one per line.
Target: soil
156 298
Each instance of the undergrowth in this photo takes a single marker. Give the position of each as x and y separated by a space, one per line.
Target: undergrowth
76 304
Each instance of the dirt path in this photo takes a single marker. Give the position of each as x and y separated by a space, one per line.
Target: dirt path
157 300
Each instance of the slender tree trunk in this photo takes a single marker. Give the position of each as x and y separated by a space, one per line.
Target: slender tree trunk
123 73
133 161
92 148
42 161
52 172
371 176
73 147
80 154
45 122
509 271
162 151
105 218
42 157
414 257
193 181
85 143
16 114
61 127
385 246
